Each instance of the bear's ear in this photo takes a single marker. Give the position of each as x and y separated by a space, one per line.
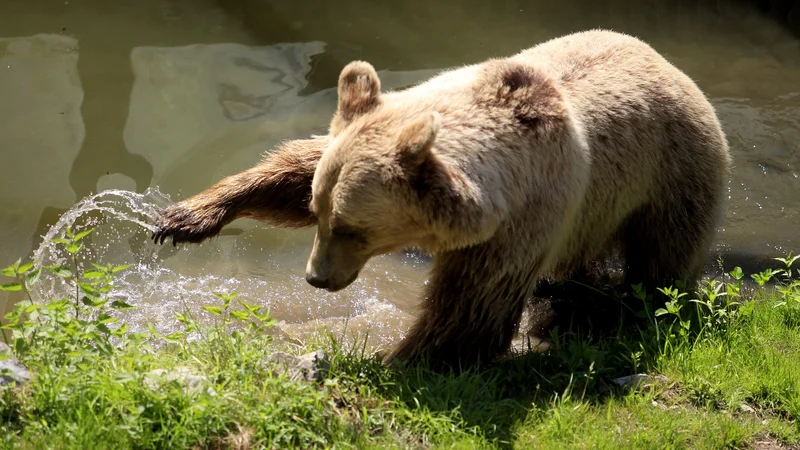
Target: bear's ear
415 140
359 91
528 90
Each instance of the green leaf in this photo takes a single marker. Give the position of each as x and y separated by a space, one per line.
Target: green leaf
105 318
104 328
153 331
240 315
213 309
60 241
175 336
226 298
24 268
61 271
33 276
220 295
120 305
74 248
99 303
119 268
121 330
87 288
661 312
20 346
124 377
9 271
11 287
249 307
86 300
83 234
737 273
93 274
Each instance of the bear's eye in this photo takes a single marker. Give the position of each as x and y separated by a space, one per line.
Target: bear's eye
344 232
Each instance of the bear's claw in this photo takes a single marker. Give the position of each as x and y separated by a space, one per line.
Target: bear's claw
161 234
182 225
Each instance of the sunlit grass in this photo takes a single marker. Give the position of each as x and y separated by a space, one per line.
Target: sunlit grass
731 362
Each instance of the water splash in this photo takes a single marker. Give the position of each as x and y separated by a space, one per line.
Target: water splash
162 281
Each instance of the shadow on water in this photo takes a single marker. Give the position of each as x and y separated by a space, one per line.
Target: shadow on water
104 151
785 12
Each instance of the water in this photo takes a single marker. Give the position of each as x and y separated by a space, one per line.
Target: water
162 281
133 99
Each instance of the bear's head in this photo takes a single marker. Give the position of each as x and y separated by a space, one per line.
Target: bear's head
391 177
366 192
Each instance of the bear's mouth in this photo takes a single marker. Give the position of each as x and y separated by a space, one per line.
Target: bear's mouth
339 287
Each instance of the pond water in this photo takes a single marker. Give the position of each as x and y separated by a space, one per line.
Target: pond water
119 97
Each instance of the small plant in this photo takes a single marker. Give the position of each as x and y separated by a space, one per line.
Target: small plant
67 330
719 307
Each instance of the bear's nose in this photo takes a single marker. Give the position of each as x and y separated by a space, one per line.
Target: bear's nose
317 281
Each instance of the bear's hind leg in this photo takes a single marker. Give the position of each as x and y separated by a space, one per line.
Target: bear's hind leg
665 244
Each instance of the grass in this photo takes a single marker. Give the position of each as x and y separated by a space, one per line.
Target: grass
731 361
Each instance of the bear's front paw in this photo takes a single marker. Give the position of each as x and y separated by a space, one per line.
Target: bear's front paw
184 224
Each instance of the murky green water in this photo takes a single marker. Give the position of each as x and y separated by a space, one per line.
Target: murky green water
177 94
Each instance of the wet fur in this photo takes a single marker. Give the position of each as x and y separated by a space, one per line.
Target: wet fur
541 163
276 192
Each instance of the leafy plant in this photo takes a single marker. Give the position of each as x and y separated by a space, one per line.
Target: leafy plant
719 346
68 331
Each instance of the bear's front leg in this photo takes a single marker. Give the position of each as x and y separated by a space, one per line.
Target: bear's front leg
470 312
276 192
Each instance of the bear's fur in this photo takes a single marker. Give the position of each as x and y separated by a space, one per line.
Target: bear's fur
508 172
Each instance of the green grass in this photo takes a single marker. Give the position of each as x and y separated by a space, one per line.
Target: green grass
89 389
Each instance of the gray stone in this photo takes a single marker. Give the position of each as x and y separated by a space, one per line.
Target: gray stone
744 407
11 370
639 381
309 367
183 375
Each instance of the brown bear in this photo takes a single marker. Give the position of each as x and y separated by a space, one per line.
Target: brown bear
507 172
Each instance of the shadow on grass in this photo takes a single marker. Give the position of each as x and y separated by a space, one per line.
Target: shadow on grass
596 336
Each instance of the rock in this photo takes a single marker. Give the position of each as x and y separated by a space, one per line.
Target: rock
11 370
639 381
745 408
310 367
539 345
183 375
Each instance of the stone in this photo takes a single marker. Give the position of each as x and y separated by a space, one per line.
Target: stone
183 375
309 367
11 370
638 381
745 408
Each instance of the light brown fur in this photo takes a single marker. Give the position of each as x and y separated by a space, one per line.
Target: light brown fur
509 171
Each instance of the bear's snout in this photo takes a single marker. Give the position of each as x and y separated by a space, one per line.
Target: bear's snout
319 282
